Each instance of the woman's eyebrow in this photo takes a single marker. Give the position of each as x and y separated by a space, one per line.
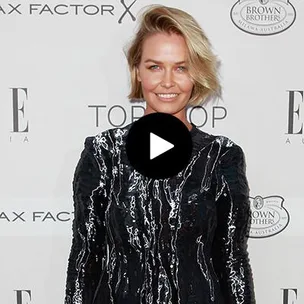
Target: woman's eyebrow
159 62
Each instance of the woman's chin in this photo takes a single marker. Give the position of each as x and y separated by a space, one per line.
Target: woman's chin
168 109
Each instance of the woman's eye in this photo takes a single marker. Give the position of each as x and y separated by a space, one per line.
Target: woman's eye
182 68
153 67
156 67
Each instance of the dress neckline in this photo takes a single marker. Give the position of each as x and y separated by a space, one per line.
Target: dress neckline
193 129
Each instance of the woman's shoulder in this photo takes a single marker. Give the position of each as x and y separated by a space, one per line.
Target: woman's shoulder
221 143
112 138
107 139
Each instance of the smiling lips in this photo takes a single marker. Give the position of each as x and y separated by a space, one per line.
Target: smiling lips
167 96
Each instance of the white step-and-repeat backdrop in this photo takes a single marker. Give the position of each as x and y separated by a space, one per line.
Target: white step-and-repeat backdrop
64 76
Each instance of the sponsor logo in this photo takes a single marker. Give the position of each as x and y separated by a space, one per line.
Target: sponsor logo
63 9
201 116
20 122
295 117
290 295
268 216
36 216
263 17
117 115
23 296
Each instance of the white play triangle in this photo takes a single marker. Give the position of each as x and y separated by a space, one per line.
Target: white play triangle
158 146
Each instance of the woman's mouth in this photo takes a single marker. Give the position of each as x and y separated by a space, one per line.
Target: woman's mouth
167 96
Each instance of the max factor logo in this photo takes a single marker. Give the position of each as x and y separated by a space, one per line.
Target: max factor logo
36 216
67 9
263 17
268 216
127 10
23 296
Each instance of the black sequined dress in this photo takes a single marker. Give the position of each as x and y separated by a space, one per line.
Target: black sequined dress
180 240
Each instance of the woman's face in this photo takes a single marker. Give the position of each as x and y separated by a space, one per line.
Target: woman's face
163 73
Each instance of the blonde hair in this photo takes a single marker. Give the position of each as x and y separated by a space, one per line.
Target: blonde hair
202 62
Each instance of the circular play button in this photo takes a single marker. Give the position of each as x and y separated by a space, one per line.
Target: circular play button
159 145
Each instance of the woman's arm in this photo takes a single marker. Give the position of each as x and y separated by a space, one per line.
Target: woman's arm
230 256
88 252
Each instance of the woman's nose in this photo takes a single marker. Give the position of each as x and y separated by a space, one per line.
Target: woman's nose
168 80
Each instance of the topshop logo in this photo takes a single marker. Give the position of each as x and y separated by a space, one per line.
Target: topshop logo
72 9
117 115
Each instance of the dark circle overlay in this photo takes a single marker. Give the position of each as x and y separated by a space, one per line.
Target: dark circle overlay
169 128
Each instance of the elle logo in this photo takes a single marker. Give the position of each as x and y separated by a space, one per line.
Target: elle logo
20 123
16 110
295 119
23 296
295 116
290 295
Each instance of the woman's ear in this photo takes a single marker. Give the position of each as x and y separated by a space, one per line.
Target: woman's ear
137 74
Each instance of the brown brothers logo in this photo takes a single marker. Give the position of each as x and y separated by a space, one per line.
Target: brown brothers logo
268 216
263 17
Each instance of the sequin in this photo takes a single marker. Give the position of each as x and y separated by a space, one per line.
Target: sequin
179 240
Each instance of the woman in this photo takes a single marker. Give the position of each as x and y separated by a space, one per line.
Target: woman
175 240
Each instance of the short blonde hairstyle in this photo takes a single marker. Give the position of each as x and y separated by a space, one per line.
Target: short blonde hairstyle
202 62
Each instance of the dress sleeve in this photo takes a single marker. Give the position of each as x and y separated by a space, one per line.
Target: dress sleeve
88 251
230 256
